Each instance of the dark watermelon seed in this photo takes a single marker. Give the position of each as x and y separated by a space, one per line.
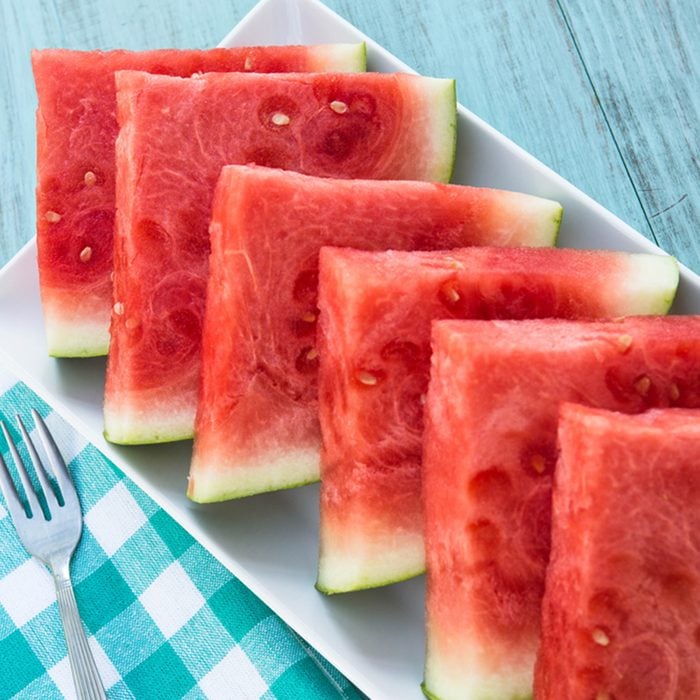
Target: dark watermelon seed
673 392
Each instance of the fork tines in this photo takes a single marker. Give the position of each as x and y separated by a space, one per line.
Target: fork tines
57 465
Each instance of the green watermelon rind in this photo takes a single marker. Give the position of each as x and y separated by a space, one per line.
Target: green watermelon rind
70 341
158 438
431 696
234 494
441 95
132 430
205 487
361 585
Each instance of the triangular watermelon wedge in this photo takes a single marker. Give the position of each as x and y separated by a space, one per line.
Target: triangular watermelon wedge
374 349
176 134
76 132
489 455
257 424
620 612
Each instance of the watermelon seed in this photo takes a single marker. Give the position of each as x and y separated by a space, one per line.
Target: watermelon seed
456 265
422 398
674 392
248 64
366 378
132 323
538 464
53 217
90 178
624 342
280 119
338 107
308 317
642 385
85 254
450 293
603 696
312 354
599 637
118 308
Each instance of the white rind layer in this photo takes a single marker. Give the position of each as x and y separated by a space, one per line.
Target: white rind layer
440 98
215 479
371 564
540 217
126 426
76 337
341 58
650 285
463 676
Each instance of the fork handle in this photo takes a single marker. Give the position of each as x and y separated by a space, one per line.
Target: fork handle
88 684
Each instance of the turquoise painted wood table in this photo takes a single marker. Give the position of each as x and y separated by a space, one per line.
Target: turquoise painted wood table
605 92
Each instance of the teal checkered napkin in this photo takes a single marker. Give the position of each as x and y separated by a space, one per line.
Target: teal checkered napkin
164 618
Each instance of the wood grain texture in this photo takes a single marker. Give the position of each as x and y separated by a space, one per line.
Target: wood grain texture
643 62
605 92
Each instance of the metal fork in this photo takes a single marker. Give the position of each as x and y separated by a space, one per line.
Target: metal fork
52 541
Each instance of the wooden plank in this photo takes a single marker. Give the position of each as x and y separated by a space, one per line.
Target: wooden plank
643 59
516 67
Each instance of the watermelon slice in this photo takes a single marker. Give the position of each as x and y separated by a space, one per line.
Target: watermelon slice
176 136
371 511
76 131
257 427
490 446
621 612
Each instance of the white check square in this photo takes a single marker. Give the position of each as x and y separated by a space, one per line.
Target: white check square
114 518
26 591
234 676
172 599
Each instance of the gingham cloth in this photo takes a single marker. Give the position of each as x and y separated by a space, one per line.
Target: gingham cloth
163 617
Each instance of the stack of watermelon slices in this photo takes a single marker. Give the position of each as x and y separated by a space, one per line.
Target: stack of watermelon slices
490 451
198 158
76 170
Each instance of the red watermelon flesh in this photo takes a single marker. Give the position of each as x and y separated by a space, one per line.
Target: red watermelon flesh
76 132
621 611
257 425
374 349
489 454
176 135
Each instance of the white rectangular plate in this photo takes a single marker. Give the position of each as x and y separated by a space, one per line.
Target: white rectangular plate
270 541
